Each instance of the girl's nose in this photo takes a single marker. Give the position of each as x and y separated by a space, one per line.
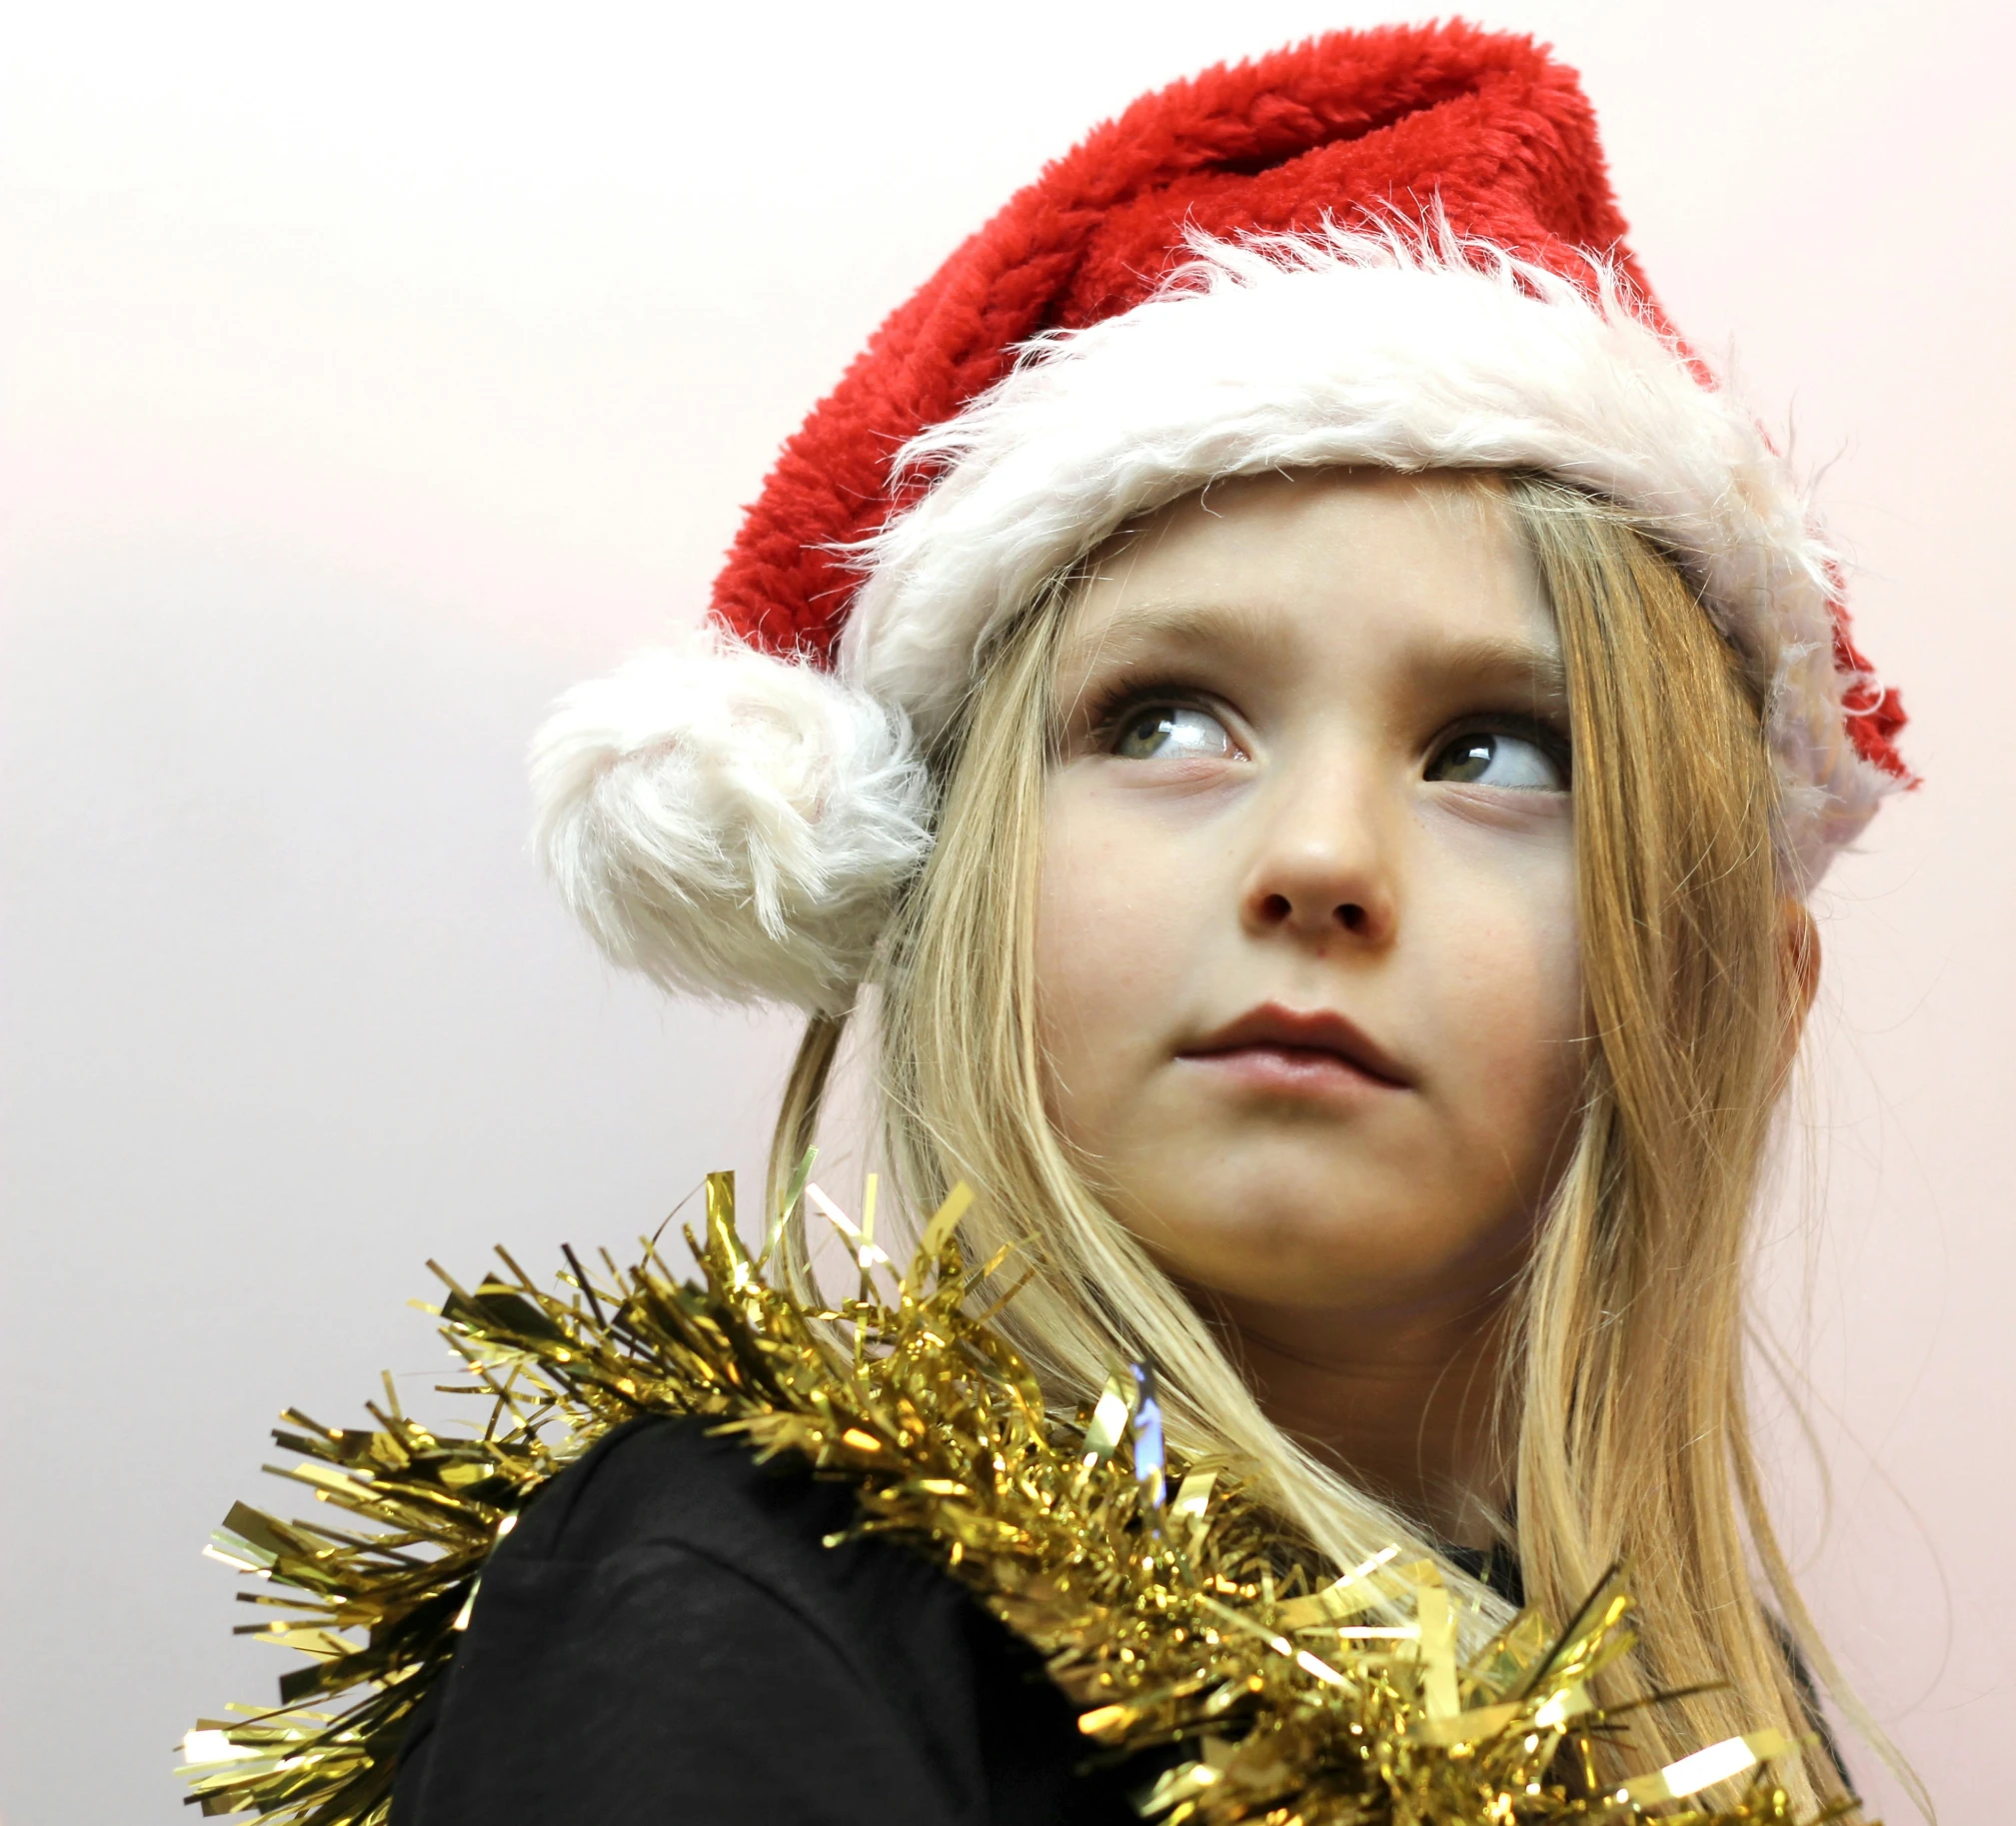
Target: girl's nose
1323 869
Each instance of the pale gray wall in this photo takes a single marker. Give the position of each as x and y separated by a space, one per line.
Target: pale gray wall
373 374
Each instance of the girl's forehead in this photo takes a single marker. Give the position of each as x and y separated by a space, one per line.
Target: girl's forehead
1273 562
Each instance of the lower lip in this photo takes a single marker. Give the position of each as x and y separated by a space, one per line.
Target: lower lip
1294 1071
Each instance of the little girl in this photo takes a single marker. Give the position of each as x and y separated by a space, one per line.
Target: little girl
1302 720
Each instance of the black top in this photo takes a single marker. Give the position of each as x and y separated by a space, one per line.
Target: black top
665 1638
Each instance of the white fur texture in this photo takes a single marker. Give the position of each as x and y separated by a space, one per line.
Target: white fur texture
1378 350
728 823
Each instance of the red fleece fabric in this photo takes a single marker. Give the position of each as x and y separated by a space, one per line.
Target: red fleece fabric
1352 126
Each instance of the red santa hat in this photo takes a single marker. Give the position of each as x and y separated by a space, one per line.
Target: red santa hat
1394 248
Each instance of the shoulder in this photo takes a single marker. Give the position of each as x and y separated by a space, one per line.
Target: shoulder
666 1619
665 1492
663 1478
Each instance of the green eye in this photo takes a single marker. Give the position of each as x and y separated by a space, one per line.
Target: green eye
1492 758
1170 732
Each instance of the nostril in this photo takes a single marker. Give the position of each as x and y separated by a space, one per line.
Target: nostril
1352 916
1274 910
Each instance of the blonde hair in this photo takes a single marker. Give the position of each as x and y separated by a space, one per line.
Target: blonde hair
1624 1391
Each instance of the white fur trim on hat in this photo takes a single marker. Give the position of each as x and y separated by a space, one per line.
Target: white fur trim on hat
728 823
740 825
1364 349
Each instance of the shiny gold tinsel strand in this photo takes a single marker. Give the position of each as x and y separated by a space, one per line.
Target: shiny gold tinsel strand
1157 1598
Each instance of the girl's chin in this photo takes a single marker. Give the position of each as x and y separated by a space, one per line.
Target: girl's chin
1273 1214
1337 1274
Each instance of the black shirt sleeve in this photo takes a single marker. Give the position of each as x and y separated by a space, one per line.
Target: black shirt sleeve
665 1638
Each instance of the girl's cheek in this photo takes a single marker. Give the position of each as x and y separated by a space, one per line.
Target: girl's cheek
1088 911
1074 921
1113 909
1499 965
1521 998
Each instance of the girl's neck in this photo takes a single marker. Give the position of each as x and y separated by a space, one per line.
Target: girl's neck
1403 1400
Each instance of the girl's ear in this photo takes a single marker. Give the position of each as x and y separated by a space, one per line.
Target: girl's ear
1802 953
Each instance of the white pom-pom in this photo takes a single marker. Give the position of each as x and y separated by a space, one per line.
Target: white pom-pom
728 823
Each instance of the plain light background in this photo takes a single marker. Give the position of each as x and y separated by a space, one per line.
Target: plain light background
373 373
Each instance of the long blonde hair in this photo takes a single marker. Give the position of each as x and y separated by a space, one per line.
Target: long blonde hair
1625 1392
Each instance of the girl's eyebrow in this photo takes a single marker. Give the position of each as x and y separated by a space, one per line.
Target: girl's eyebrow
1529 667
1193 627
1492 662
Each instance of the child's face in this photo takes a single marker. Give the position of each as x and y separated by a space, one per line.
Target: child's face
1305 950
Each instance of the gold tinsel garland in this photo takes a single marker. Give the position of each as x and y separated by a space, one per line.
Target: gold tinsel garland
1157 1599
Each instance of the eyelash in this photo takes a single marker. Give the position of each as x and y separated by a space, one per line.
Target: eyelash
1118 703
1547 736
1114 707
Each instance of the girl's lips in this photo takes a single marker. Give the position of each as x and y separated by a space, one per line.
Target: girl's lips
1291 1072
1314 1051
